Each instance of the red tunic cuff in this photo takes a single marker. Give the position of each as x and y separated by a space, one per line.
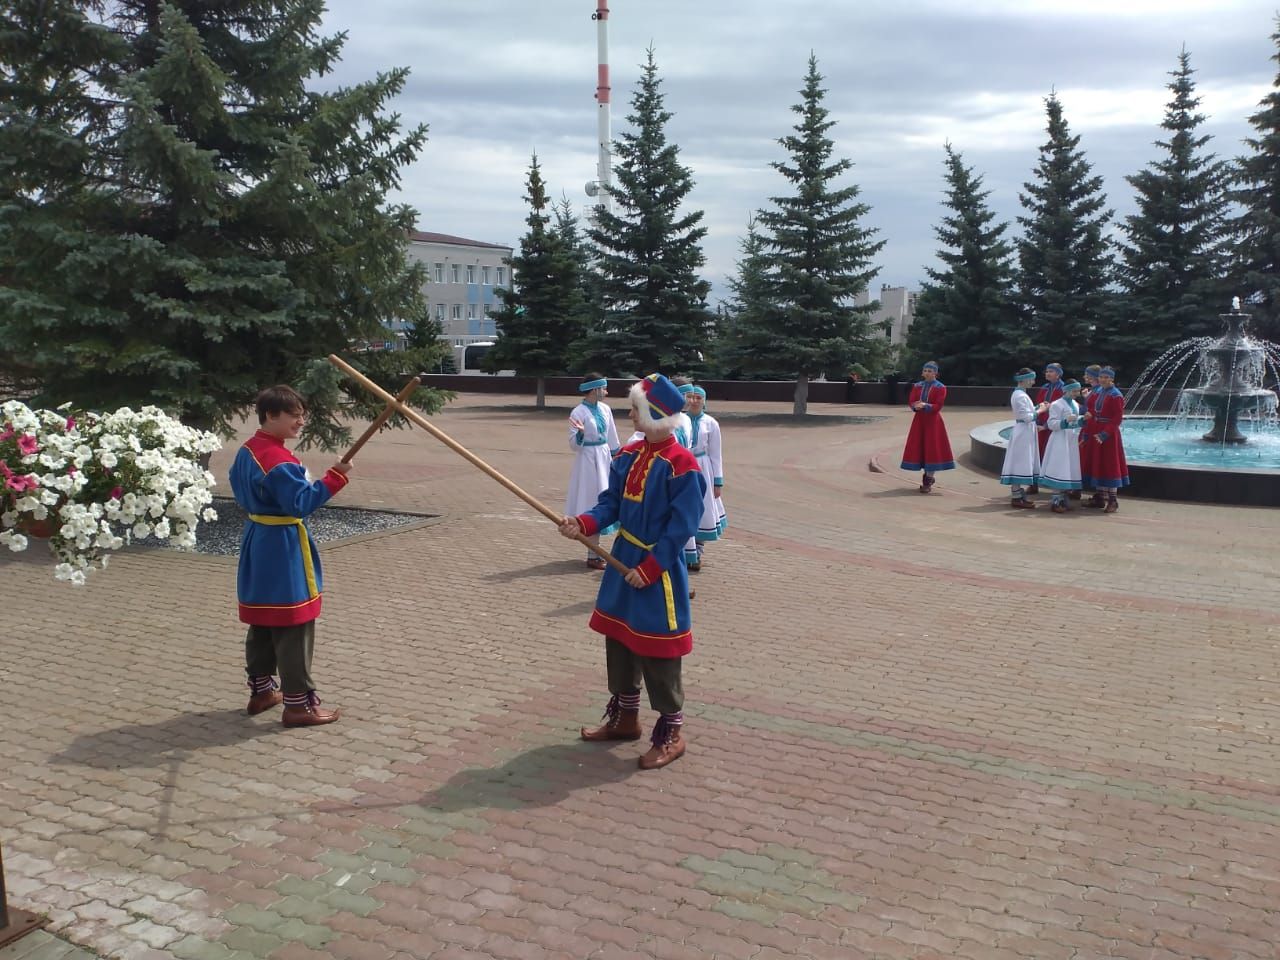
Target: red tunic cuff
589 526
333 481
650 569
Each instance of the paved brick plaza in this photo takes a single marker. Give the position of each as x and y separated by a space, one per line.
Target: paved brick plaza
918 727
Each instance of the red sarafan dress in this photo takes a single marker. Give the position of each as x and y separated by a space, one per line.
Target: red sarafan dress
928 448
1048 393
1102 462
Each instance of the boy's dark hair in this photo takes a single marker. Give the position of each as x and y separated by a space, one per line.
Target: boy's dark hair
593 375
1025 371
279 399
681 380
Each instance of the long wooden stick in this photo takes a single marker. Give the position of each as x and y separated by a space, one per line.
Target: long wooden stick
410 414
387 411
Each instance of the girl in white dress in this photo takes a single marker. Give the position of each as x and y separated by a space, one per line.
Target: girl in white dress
1022 458
593 440
1060 469
704 442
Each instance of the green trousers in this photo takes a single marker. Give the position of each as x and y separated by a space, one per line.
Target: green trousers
286 650
661 676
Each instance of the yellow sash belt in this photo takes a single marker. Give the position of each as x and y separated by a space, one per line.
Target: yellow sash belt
308 567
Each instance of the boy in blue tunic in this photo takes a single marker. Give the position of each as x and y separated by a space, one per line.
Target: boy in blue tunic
655 494
279 582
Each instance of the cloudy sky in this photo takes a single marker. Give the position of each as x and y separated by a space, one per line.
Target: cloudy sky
499 81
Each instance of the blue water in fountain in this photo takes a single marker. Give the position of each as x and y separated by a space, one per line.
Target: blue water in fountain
1175 442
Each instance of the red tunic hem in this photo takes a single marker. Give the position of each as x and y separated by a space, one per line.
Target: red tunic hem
642 644
266 615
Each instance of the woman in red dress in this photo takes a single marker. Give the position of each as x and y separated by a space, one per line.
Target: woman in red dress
1102 463
928 448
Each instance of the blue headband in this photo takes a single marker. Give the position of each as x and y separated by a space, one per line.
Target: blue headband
686 388
1055 366
1071 385
1107 372
930 366
591 385
698 390
1019 377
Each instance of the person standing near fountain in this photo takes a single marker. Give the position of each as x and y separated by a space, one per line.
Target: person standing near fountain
1102 462
928 448
1060 466
1050 392
1022 457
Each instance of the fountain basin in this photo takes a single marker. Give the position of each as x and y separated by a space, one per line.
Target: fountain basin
1168 461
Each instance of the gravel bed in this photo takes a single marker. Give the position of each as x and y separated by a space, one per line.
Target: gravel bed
328 524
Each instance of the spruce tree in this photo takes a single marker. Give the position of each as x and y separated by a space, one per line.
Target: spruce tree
1064 255
966 318
1256 270
817 257
649 252
742 332
183 219
1173 261
568 227
543 310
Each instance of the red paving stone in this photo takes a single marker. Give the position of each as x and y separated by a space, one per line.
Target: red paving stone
919 727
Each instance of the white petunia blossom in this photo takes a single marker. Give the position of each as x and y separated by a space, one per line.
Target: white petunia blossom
101 480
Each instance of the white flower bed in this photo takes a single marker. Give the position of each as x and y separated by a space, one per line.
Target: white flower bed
95 482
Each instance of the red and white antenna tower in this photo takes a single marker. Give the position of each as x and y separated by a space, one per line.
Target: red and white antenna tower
604 161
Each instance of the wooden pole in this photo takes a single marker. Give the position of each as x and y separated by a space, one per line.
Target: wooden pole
413 416
403 396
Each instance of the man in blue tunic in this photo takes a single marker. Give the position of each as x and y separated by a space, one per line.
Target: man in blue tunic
656 495
280 581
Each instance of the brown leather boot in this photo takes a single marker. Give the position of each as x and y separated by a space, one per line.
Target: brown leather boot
661 754
618 725
262 702
310 714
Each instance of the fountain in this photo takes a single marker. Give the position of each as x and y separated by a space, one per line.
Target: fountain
1200 422
1237 366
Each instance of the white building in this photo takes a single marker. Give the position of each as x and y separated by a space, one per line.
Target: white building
896 311
463 277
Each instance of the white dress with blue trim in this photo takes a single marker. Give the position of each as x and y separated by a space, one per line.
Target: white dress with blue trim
704 442
1060 469
593 448
1022 459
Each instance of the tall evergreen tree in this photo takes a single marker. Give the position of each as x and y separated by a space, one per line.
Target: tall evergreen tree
818 257
568 227
649 251
1064 255
182 220
743 334
966 318
543 311
1256 271
1174 260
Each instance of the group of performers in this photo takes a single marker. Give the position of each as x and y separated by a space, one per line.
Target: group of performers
660 493
1067 439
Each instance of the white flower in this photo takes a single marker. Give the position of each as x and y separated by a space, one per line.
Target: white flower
108 459
15 541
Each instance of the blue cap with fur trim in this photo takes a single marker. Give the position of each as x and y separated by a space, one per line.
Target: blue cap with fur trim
930 366
664 397
1054 366
1107 372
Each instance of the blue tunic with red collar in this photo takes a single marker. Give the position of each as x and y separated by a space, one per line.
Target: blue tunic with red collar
280 581
655 493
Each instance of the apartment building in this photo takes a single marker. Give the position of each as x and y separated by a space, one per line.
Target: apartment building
463 277
896 311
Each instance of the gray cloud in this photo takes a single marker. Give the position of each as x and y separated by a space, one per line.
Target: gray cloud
496 82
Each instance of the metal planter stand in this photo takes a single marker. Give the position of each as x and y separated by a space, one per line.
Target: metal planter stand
14 923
